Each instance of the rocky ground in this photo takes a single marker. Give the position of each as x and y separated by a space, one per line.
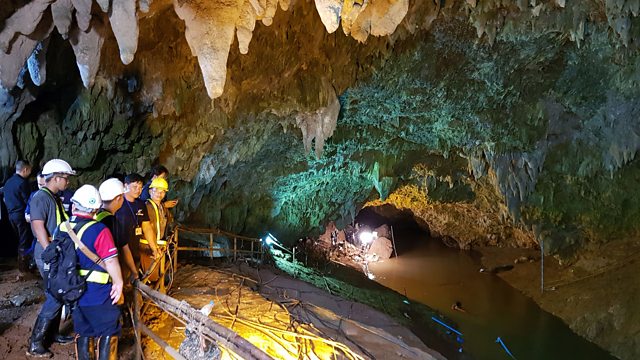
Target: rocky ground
248 301
597 294
20 301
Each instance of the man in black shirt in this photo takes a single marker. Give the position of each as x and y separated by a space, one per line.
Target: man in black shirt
132 219
112 195
16 196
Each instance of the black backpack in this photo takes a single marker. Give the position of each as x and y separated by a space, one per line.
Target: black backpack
64 281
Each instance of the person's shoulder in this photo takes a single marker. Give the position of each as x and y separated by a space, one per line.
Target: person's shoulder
13 179
41 196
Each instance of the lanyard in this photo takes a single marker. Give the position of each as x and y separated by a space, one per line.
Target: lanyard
132 213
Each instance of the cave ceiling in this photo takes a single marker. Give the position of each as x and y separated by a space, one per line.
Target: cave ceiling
494 122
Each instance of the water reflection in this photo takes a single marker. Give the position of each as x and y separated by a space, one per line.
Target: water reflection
439 276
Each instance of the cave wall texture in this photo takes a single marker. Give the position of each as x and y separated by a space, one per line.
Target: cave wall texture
495 122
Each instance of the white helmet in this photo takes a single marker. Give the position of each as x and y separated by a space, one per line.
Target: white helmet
87 197
57 166
111 188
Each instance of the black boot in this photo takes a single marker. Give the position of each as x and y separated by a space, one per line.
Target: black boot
108 348
85 348
57 337
36 344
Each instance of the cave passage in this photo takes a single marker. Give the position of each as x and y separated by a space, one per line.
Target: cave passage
429 272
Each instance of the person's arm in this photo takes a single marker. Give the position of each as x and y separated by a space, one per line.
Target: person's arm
128 259
113 268
25 191
106 249
170 203
150 235
39 230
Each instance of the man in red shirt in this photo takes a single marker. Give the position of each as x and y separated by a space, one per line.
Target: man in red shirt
96 316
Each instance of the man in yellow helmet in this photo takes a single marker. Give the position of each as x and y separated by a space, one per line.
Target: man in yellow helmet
158 216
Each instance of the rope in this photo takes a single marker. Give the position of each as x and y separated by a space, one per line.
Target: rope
605 269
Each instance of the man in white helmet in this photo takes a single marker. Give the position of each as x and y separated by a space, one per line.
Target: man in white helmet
46 214
112 194
96 316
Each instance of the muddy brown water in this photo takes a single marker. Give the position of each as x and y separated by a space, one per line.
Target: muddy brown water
437 276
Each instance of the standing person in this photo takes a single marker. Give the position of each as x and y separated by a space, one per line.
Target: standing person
46 214
157 172
16 197
133 219
112 195
158 217
27 216
41 183
96 315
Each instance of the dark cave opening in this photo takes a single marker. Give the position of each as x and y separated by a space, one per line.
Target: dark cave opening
408 230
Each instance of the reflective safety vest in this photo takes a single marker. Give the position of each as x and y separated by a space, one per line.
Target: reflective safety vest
96 276
61 215
101 215
159 241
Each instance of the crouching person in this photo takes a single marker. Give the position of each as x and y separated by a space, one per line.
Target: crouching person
96 316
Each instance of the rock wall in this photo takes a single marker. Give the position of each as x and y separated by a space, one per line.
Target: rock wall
494 122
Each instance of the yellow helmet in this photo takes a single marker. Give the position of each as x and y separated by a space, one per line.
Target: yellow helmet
159 183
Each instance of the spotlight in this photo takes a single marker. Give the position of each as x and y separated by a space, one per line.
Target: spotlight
270 239
368 237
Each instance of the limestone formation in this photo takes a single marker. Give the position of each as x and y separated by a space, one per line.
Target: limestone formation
318 125
329 11
37 63
87 47
62 11
124 24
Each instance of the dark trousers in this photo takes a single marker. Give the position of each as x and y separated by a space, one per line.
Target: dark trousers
23 231
51 309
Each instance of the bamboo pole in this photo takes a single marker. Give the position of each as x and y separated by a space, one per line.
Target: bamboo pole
223 336
175 254
166 347
393 241
211 245
235 249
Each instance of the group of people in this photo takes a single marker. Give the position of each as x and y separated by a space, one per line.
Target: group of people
123 223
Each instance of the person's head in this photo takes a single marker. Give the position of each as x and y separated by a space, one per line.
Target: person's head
133 185
159 171
40 180
112 194
23 168
56 174
158 189
86 201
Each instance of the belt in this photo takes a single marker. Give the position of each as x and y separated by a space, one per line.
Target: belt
96 276
158 242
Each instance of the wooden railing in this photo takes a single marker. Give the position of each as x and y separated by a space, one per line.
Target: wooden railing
239 247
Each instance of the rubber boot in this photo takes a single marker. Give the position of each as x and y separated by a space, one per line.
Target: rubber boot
57 337
36 344
108 348
85 348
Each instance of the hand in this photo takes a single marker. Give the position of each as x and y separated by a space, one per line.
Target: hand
156 254
170 203
116 292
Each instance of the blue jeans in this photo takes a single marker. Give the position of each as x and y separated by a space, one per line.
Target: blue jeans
37 256
51 309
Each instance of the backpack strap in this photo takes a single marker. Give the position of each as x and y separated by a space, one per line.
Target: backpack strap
80 245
